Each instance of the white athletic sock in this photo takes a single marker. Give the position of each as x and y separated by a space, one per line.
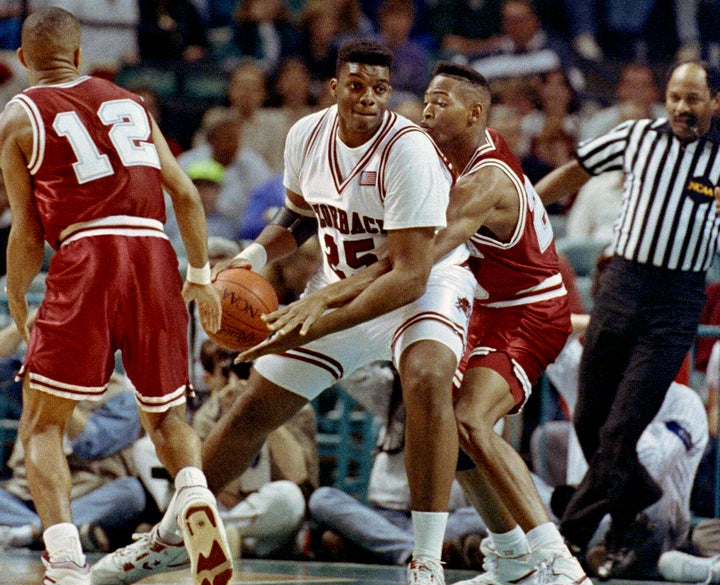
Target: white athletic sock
187 477
510 544
62 543
545 536
429 531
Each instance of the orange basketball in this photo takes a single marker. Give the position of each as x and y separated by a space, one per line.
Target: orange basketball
245 296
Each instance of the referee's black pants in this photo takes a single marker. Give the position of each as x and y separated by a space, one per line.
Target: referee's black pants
643 323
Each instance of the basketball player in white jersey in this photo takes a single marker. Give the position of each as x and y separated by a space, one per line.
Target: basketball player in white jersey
371 185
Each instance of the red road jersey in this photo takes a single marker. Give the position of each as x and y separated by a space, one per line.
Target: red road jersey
93 155
525 269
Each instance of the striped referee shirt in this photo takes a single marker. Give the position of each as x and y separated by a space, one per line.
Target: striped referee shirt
667 216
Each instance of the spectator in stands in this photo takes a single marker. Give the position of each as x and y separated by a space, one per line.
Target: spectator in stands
264 202
107 499
293 90
352 21
526 49
171 30
209 178
505 119
466 28
550 149
11 17
263 129
320 27
411 69
638 96
244 169
381 531
264 31
558 103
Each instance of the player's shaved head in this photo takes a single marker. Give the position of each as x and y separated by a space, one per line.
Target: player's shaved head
50 35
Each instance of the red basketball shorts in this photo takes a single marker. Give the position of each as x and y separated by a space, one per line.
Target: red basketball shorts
106 293
517 342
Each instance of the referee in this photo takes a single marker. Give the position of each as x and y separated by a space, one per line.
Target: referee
648 307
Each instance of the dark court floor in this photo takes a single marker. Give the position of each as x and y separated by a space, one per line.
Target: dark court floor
25 568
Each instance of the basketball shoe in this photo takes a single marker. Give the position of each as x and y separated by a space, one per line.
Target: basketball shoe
148 555
500 570
64 572
558 567
204 536
425 571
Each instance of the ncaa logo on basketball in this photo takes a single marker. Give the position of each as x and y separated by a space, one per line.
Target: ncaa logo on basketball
700 190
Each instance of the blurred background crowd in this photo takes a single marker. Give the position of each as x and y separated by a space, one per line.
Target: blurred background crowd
226 79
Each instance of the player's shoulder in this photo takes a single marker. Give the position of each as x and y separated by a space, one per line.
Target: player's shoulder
311 122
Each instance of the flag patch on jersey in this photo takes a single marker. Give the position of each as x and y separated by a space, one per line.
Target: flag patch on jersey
368 178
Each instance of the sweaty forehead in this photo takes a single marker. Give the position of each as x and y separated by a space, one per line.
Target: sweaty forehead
365 70
442 84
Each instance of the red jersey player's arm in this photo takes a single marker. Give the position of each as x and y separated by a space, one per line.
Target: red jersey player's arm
193 229
485 197
562 182
186 202
472 201
25 246
410 255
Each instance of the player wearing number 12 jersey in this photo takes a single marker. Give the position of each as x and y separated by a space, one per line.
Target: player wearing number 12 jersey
84 166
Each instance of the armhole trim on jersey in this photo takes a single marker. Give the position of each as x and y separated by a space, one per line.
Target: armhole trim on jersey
385 154
522 212
38 129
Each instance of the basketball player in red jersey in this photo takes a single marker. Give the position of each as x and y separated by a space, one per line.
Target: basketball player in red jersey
519 324
85 165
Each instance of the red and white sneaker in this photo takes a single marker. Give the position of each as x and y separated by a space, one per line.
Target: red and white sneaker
206 542
64 572
559 567
425 571
148 555
500 570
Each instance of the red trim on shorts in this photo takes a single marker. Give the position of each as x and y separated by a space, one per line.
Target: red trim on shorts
500 362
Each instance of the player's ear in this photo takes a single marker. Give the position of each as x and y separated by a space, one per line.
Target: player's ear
476 112
77 57
21 57
333 87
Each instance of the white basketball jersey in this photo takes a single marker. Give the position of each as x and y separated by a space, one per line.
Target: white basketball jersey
398 179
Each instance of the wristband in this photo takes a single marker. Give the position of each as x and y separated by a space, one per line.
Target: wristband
199 275
256 255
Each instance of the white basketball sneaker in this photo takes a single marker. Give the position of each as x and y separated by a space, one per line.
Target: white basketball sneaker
559 567
425 571
64 572
148 555
675 565
205 539
501 570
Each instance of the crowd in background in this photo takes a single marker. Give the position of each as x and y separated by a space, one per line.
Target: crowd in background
226 79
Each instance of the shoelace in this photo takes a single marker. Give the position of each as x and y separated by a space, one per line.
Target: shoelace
490 563
140 539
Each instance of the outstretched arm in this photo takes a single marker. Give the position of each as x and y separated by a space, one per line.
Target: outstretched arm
410 253
562 182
